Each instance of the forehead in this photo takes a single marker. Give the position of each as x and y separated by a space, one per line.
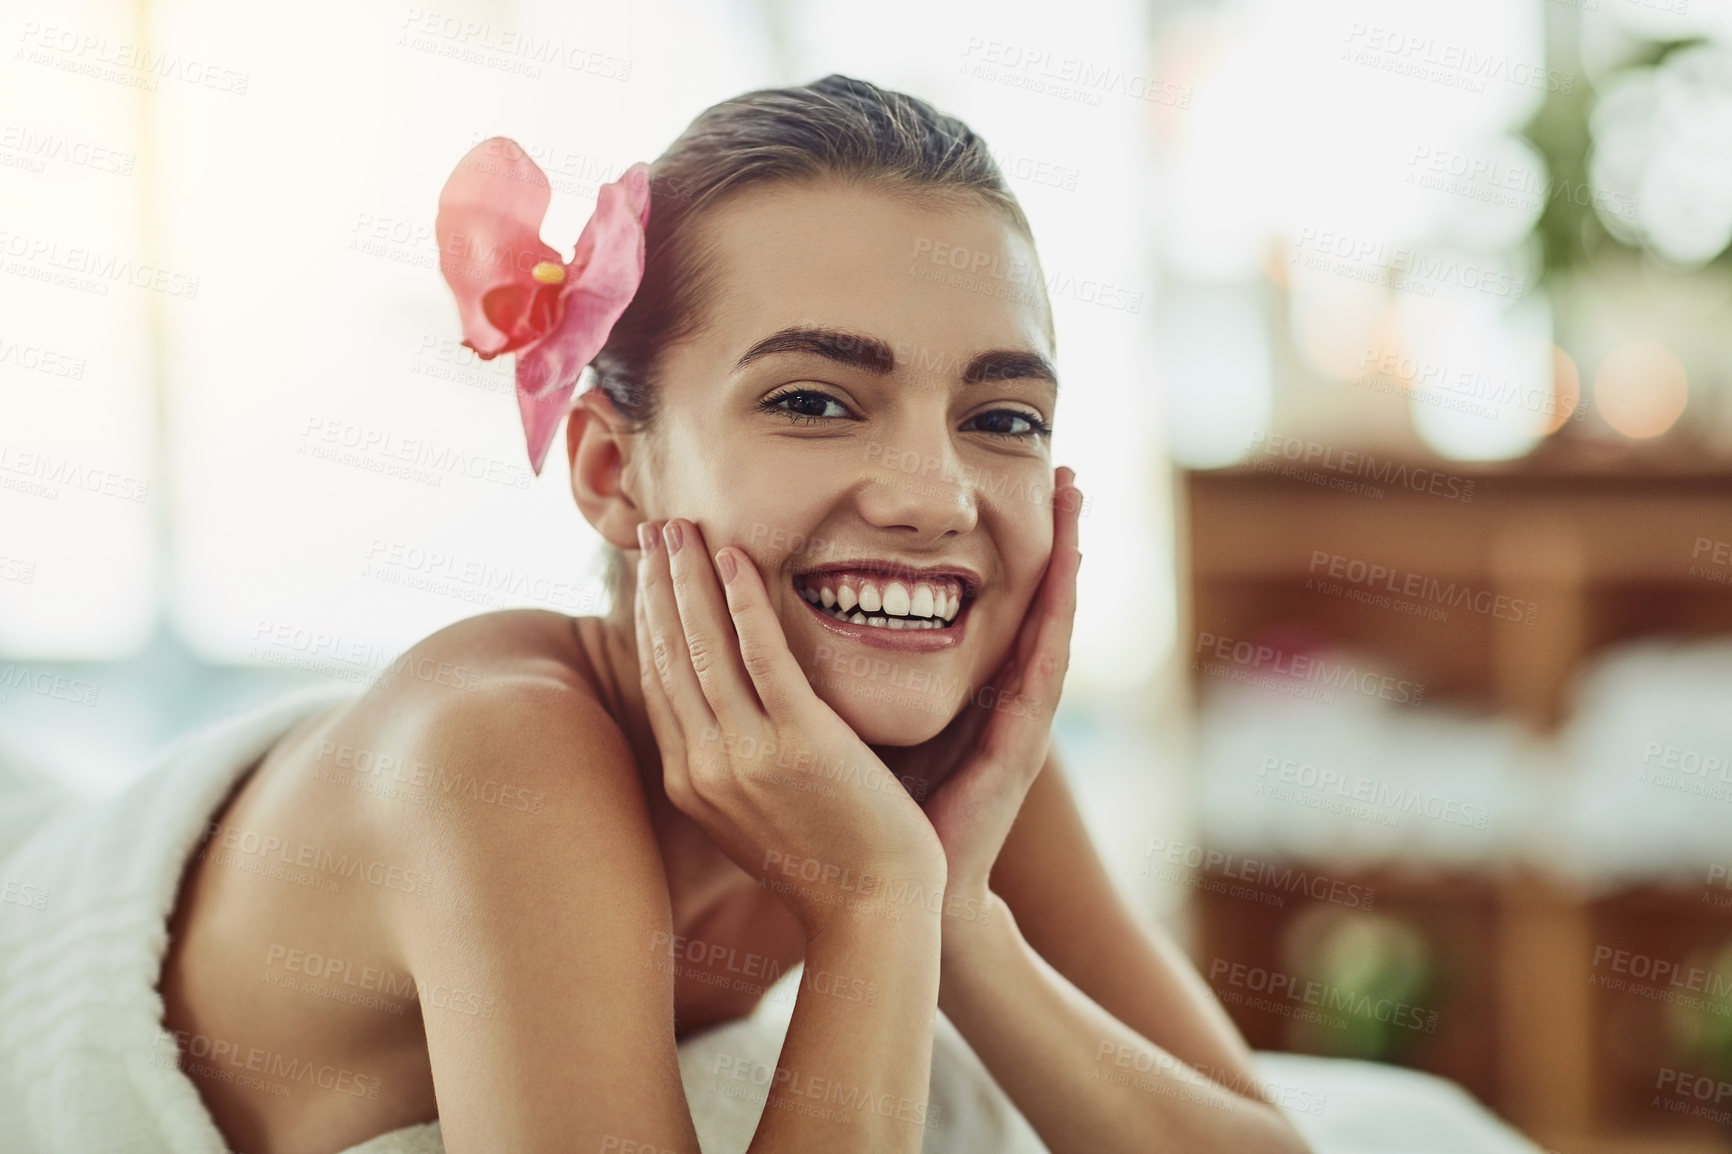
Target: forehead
938 278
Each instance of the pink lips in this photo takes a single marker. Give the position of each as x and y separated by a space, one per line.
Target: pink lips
901 640
925 605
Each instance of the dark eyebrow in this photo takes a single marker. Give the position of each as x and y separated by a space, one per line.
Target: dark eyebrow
861 352
1009 365
875 356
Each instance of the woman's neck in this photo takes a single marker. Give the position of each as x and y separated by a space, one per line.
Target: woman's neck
699 873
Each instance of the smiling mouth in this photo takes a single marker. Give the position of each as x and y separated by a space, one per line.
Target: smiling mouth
885 599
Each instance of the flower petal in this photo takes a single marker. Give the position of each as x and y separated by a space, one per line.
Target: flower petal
489 233
600 282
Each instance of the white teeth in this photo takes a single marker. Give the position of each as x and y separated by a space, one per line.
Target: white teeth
896 599
896 607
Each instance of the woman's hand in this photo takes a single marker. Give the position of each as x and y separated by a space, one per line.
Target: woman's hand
986 759
780 782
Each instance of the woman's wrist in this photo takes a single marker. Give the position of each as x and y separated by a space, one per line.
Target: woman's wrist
979 933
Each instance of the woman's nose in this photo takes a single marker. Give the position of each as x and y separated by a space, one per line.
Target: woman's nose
923 488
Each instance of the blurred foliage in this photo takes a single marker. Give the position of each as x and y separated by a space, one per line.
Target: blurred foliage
1571 235
1378 980
1703 1025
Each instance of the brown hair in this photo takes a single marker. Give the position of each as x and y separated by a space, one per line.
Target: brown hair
834 127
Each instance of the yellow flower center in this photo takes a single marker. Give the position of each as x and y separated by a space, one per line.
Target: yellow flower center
548 273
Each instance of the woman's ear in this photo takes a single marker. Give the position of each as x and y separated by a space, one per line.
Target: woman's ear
600 445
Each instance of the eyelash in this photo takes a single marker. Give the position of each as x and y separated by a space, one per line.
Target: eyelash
773 404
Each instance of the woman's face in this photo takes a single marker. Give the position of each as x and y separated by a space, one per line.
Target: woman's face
864 415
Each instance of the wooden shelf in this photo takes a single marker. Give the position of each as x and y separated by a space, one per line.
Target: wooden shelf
1602 552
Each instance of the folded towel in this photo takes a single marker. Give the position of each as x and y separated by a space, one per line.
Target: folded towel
86 1066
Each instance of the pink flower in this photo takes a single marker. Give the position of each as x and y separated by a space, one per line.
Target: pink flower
514 295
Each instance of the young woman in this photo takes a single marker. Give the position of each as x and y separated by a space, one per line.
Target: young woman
813 727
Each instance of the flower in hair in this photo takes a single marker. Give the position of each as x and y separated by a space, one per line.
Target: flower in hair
515 295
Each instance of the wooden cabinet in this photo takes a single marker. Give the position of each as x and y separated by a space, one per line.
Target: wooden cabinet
1492 588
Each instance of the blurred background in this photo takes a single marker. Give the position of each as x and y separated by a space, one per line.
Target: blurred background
1397 342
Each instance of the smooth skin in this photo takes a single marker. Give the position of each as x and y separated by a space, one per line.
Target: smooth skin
663 820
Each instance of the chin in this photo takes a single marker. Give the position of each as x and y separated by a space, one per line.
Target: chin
888 716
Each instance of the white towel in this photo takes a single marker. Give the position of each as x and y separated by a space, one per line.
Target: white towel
86 1066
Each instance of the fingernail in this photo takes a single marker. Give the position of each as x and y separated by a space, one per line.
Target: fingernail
646 537
672 535
725 562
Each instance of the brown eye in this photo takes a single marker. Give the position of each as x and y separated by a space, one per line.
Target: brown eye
804 405
1009 423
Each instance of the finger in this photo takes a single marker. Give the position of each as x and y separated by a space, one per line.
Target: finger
709 629
669 740
1023 717
779 681
667 641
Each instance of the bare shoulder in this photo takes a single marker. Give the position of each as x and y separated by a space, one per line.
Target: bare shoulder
496 734
532 946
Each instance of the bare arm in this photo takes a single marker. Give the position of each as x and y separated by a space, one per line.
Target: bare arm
1099 1029
549 1022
